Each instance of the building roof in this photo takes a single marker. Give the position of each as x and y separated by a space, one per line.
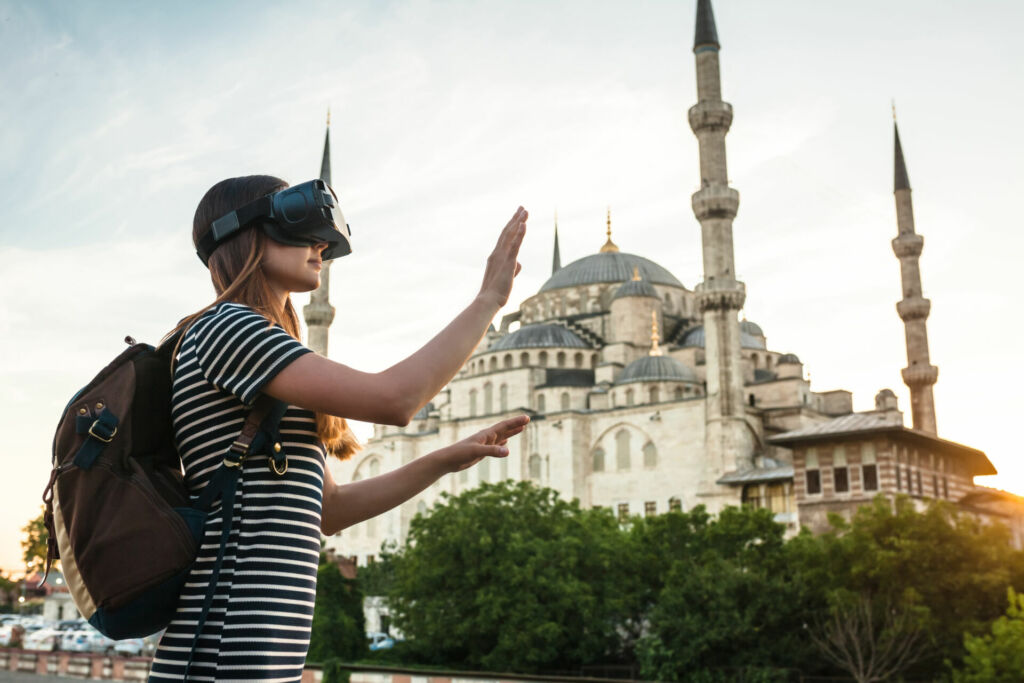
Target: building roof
788 358
424 411
568 377
635 288
861 425
656 369
900 179
751 328
772 470
536 336
696 337
609 266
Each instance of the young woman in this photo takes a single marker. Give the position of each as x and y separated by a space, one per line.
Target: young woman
247 343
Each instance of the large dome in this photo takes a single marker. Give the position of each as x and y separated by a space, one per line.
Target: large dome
656 369
534 336
609 267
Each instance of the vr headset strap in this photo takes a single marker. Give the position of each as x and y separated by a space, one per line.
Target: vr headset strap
226 226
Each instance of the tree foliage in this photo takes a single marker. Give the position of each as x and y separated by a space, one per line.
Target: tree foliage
339 626
997 657
33 545
508 577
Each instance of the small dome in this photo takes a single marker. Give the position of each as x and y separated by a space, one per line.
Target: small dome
656 369
635 288
753 329
788 358
424 411
609 267
534 336
888 393
695 337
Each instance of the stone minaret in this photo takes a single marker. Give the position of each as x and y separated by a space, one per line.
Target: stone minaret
919 374
729 440
319 312
556 261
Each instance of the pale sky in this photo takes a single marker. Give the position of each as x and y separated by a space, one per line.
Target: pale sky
116 118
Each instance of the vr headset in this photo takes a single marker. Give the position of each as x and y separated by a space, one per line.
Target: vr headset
301 215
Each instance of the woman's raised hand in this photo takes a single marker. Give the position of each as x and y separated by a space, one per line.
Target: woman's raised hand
502 265
490 442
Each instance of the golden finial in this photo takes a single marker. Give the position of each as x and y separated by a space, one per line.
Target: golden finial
609 246
655 350
328 116
556 219
636 273
894 110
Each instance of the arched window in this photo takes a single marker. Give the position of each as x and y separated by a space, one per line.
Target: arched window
524 359
655 395
565 400
753 357
593 361
675 504
578 360
679 393
629 397
650 455
622 450
535 467
494 363
503 397
561 359
599 460
543 358
540 403
488 399
374 467
472 402
507 360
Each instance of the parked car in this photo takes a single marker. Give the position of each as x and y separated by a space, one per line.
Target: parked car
379 641
130 647
10 633
47 639
75 641
100 643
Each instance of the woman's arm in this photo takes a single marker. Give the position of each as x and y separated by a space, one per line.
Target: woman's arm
396 394
358 501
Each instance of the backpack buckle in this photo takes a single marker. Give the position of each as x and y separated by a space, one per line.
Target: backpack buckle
242 449
105 438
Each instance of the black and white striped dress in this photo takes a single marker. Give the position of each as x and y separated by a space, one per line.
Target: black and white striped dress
259 625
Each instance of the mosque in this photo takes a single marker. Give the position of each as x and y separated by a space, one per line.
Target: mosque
647 395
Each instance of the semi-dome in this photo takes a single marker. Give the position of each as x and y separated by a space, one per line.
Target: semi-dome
609 267
753 329
656 369
635 288
788 358
695 337
533 336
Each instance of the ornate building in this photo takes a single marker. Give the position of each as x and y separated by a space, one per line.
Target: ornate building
647 395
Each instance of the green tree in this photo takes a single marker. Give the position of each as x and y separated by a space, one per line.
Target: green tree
948 569
509 577
33 545
997 657
727 607
339 626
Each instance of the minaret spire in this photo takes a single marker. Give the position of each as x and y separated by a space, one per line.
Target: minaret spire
729 444
319 313
609 245
556 261
655 350
919 375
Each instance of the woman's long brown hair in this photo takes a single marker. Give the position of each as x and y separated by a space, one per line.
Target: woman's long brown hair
237 274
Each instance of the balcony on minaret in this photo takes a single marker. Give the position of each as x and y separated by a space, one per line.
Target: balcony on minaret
715 201
920 375
710 115
721 294
907 244
913 308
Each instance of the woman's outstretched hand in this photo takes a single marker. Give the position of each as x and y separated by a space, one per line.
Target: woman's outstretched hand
502 266
490 442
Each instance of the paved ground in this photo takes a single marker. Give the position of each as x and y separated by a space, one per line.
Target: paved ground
17 677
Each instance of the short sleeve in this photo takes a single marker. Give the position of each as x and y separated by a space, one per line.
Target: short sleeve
239 351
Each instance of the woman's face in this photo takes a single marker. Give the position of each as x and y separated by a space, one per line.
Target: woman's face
292 269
